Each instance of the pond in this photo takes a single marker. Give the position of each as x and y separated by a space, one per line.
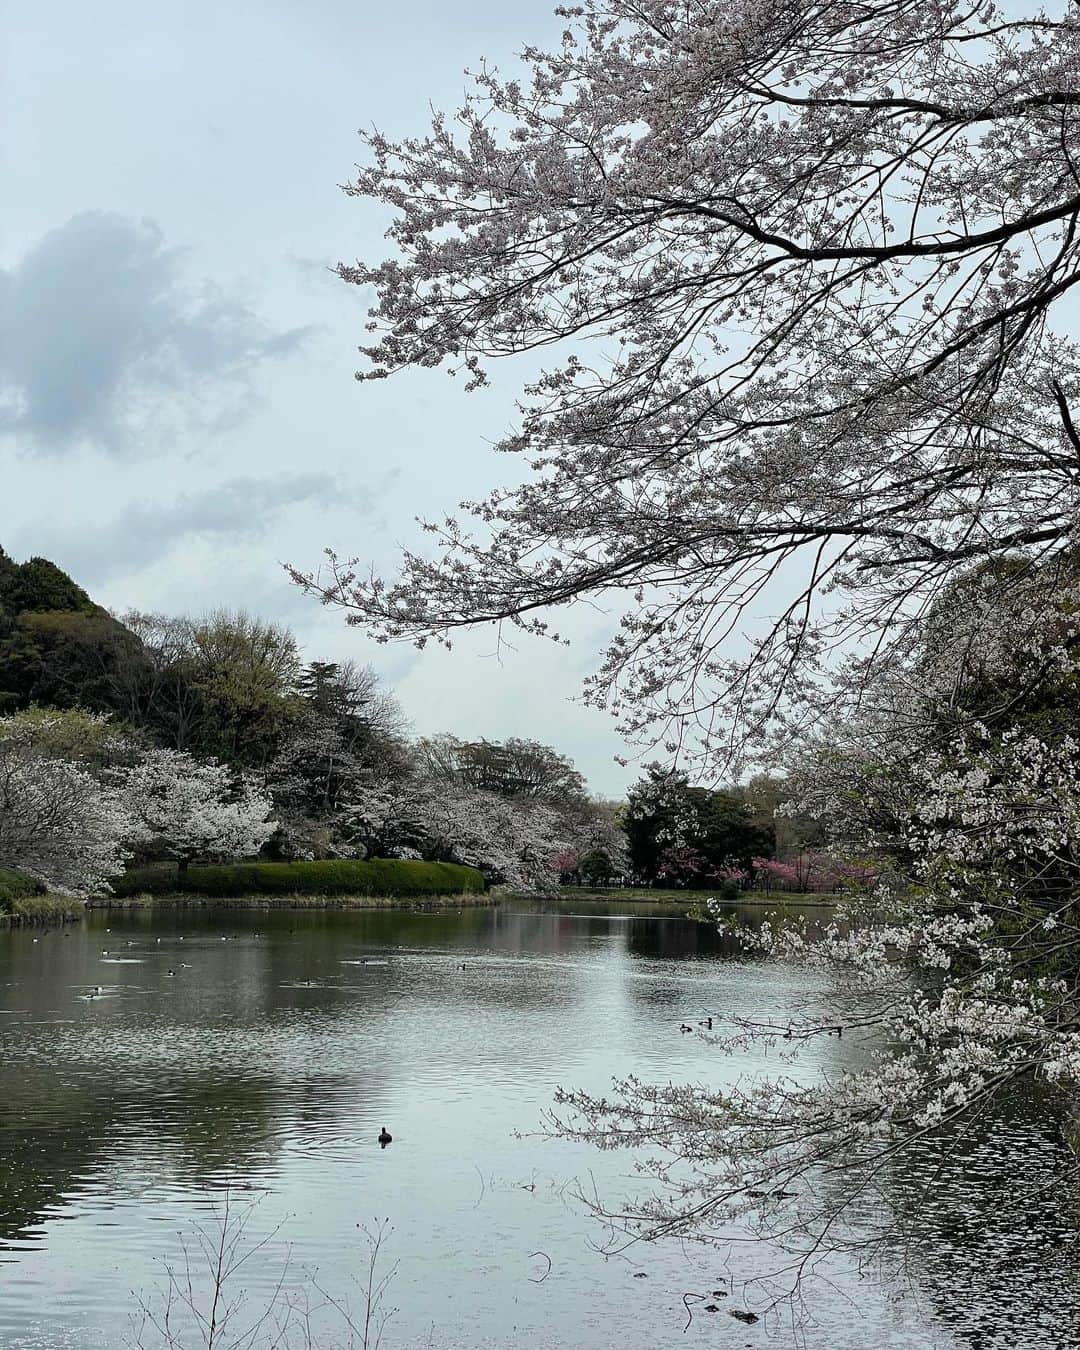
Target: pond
256 1057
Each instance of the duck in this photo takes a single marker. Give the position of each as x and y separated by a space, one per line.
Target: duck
684 1027
385 1137
707 1024
170 972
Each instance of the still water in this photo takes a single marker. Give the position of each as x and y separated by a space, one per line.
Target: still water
257 1057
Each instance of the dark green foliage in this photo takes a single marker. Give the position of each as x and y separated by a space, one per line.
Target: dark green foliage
595 868
339 876
14 886
57 647
39 585
704 830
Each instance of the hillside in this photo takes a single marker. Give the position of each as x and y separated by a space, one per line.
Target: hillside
56 645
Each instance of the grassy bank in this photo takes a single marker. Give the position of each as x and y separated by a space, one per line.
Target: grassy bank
337 878
186 900
644 895
26 901
29 910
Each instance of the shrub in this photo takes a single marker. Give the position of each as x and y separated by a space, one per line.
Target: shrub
336 876
595 868
15 886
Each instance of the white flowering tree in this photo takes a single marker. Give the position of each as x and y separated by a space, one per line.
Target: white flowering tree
958 973
57 822
511 840
821 249
192 809
812 264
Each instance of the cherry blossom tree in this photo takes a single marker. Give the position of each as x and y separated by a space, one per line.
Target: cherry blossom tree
681 865
191 809
952 957
57 822
770 874
808 260
519 842
807 269
565 863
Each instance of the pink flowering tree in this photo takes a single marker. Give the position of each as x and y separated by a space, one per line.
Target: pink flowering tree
565 864
772 875
681 865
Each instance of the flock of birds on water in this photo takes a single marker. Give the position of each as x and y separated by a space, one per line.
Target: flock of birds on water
384 1136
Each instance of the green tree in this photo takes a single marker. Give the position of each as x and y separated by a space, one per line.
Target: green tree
511 768
245 671
668 819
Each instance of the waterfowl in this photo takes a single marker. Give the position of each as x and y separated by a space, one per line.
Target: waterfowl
707 1024
170 972
385 1137
684 1027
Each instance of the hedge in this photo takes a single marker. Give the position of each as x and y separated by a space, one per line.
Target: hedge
337 876
14 886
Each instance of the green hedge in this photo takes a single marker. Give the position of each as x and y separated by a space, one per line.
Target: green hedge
339 876
14 887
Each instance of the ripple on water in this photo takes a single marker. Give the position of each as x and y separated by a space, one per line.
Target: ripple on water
268 1067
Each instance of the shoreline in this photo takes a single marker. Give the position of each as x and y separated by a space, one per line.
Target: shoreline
693 899
185 900
56 910
41 911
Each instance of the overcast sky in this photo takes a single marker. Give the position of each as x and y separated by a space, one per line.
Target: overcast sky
178 413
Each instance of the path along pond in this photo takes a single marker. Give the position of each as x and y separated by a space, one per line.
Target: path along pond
264 1066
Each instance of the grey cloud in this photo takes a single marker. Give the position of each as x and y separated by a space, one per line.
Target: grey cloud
242 508
103 342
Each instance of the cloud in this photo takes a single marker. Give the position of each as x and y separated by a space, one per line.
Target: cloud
103 342
240 509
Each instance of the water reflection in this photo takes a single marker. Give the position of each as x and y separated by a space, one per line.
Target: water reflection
271 1057
991 1217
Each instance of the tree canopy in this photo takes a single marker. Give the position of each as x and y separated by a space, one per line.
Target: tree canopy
807 260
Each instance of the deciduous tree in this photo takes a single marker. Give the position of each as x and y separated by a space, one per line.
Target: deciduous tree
190 809
823 250
57 822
